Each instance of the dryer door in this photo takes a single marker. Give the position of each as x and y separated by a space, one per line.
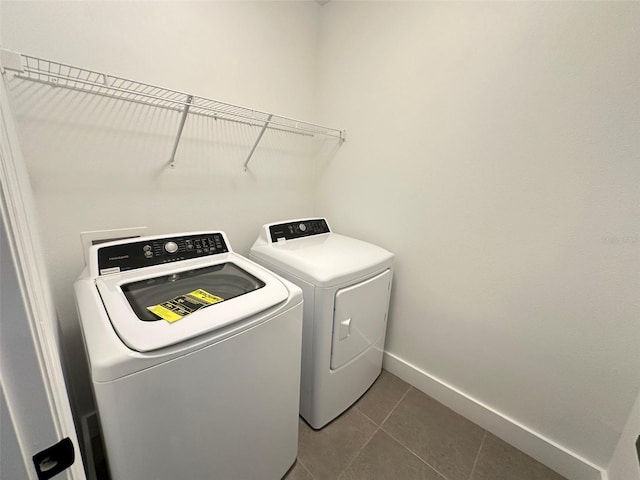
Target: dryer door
360 317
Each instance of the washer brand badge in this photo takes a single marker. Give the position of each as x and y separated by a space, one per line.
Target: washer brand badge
107 271
121 257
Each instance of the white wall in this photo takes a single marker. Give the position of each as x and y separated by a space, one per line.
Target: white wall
624 463
494 148
97 164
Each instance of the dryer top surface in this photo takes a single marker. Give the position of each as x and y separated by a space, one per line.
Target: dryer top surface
324 260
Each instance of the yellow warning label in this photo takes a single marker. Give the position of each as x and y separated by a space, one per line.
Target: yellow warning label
206 296
165 313
183 305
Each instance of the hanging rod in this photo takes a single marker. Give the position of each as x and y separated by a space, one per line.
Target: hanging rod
57 74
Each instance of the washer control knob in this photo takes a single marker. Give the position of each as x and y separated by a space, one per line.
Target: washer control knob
302 227
171 247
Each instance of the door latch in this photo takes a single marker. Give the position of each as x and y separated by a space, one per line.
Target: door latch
345 328
53 460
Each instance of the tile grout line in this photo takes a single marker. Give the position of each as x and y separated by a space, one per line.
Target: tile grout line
379 427
305 467
395 406
416 455
473 469
355 455
401 443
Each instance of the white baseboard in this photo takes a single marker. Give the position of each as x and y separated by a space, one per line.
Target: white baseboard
555 456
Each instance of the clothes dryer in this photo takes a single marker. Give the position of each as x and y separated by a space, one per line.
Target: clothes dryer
346 285
194 355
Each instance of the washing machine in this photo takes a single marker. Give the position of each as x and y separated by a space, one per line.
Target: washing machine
194 354
346 285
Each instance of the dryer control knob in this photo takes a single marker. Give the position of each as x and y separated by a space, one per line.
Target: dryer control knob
302 227
171 247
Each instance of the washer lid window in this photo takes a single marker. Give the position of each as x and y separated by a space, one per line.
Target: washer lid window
246 290
224 281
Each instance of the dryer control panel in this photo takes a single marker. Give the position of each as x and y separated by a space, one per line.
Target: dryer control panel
298 229
140 253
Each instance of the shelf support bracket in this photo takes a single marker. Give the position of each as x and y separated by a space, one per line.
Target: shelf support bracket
255 145
183 119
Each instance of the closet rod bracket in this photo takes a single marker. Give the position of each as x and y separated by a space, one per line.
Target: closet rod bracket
255 145
183 119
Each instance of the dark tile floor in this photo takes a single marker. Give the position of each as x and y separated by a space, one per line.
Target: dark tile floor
396 432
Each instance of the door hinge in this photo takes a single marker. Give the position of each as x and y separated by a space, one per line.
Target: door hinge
53 460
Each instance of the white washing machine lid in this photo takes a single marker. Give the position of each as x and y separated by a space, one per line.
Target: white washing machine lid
240 287
324 260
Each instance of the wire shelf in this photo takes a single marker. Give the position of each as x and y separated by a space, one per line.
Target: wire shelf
81 79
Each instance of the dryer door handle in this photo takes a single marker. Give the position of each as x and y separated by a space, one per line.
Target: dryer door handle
345 328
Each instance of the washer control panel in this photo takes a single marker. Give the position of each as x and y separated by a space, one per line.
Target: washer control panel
298 229
145 253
